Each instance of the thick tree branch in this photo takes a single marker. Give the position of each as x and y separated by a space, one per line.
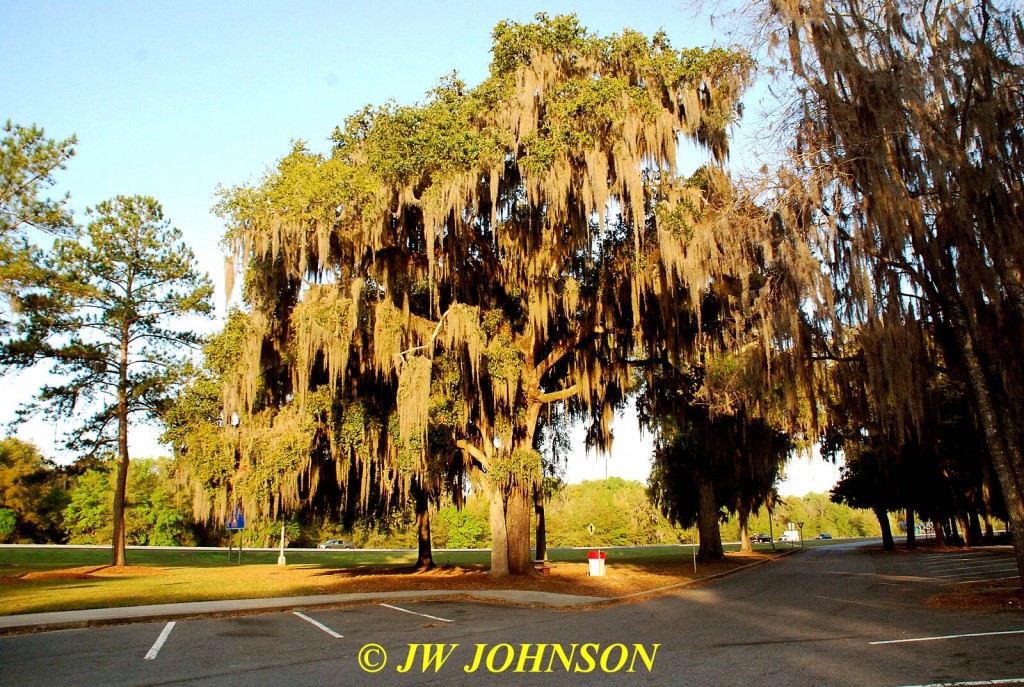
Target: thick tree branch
561 395
473 451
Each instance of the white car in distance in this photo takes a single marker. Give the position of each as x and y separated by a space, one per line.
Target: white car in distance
336 544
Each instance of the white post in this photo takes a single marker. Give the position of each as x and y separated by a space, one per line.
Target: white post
280 559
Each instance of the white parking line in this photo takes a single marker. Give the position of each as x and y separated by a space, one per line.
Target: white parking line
159 643
975 563
432 617
975 683
993 579
978 576
320 625
987 565
934 639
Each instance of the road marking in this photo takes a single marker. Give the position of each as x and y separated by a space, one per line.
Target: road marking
994 579
994 565
432 617
320 625
973 577
985 565
159 643
933 639
975 683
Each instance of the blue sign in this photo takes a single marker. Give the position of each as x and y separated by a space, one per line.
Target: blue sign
237 521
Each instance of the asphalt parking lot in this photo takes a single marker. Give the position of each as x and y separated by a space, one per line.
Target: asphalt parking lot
846 615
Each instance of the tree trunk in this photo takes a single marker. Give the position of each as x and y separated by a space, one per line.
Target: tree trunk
707 523
940 536
517 518
986 499
961 519
121 487
542 535
744 519
911 529
120 491
1001 437
510 532
974 525
499 533
888 543
952 534
425 559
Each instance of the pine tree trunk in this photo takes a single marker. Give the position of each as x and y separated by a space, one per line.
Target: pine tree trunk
888 543
707 523
425 559
121 488
120 536
542 535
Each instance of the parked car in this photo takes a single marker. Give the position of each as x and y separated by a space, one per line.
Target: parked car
336 544
790 536
824 535
761 538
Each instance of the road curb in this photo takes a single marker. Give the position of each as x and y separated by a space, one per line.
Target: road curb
123 615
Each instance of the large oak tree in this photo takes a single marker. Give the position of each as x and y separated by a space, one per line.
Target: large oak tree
532 230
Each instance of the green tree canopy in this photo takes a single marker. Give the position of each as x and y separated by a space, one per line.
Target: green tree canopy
30 488
28 161
157 512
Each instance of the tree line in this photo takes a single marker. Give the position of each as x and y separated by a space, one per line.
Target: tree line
425 306
47 503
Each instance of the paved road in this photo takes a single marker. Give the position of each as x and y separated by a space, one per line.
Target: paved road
836 615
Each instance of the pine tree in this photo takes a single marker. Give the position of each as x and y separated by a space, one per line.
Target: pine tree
111 330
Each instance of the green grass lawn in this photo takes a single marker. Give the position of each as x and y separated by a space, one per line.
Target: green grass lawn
34 580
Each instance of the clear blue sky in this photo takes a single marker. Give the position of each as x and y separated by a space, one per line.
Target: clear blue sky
172 99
